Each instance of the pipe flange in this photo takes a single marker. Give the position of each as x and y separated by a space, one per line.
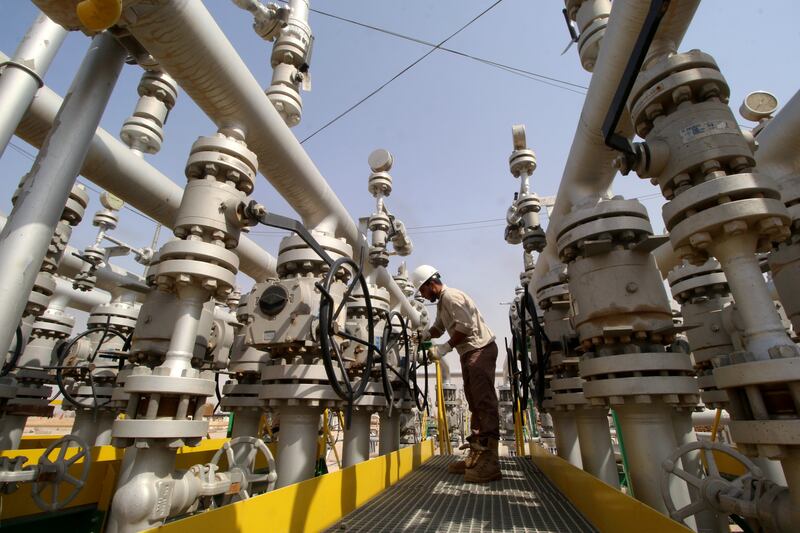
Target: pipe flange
76 205
694 70
223 158
589 42
159 85
379 184
296 258
209 208
522 161
284 93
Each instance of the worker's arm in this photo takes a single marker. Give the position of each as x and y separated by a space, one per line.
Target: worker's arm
437 329
456 338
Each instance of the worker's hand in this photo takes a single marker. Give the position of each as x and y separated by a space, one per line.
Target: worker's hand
425 335
438 351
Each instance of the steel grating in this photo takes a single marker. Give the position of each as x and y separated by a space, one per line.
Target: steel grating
431 499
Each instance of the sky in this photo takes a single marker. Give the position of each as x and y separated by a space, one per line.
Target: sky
447 120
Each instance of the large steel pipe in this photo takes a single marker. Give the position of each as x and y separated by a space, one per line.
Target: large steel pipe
778 154
23 74
187 42
114 167
588 170
38 207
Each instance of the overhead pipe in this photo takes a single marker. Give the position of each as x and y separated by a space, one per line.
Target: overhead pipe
77 299
778 154
23 74
45 190
114 167
187 42
589 170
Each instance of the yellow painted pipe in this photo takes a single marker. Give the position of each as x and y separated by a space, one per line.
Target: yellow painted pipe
98 15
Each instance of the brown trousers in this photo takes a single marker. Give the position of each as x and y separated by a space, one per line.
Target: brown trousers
478 368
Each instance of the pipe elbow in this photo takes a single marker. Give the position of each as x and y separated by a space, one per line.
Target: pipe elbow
98 15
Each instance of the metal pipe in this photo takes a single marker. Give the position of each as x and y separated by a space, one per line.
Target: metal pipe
245 424
778 154
649 439
707 520
588 170
597 454
29 228
187 42
355 444
81 300
94 430
763 328
297 444
114 167
389 432
11 428
23 74
565 429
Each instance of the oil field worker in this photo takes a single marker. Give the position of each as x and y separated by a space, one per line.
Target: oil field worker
457 314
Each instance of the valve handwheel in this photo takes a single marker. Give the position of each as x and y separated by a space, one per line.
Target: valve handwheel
328 329
246 468
390 341
712 485
83 370
55 472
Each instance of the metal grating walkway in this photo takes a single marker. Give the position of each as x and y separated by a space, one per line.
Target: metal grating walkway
430 499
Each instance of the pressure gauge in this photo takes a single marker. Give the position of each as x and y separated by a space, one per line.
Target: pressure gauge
110 201
758 105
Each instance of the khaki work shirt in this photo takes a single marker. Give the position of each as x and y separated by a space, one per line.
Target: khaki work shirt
455 311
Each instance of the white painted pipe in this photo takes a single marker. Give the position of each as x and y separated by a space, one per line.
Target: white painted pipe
114 167
778 154
187 42
588 170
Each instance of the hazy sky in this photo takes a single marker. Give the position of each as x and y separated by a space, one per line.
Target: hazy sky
447 120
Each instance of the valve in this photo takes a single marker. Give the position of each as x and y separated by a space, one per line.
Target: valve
83 370
393 343
242 480
51 473
714 491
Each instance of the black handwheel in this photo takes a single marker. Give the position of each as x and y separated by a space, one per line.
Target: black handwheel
328 330
11 364
53 472
389 342
513 373
541 346
83 370
413 377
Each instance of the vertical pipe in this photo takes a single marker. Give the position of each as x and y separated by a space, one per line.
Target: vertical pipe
594 436
94 430
30 226
566 432
23 74
649 439
245 424
707 520
297 444
791 467
355 446
389 432
11 428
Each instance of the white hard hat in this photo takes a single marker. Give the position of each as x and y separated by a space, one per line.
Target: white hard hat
422 274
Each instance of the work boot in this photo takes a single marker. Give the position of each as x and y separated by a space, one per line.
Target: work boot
461 466
487 465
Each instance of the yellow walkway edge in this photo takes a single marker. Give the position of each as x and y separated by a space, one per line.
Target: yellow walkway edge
311 505
608 509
